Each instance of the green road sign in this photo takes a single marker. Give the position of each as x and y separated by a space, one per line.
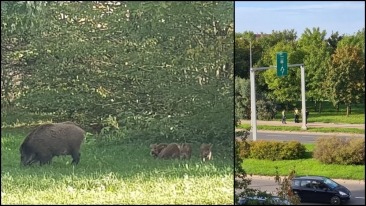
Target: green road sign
281 64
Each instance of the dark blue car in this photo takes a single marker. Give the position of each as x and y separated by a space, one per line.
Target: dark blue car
319 189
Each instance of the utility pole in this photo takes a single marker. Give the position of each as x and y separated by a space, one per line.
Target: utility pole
252 97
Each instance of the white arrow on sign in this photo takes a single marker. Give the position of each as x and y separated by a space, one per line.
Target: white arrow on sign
282 70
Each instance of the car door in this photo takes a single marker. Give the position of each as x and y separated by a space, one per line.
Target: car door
303 189
319 191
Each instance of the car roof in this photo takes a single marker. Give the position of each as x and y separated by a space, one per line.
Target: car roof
311 177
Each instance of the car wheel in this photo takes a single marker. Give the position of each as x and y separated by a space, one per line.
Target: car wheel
335 200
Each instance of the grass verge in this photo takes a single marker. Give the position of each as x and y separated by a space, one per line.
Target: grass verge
310 129
305 166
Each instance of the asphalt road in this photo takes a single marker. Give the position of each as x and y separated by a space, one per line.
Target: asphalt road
303 137
356 187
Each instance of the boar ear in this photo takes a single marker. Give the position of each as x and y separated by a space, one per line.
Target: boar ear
211 145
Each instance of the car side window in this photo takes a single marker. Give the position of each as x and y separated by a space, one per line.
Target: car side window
306 183
315 184
323 186
296 183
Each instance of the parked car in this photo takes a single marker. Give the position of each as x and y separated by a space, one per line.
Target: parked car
319 189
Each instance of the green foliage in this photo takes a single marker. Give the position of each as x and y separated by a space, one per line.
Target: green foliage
337 150
266 110
244 149
287 88
242 98
292 150
272 150
316 58
347 62
163 75
262 149
315 52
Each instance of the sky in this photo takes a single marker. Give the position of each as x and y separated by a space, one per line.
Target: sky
346 17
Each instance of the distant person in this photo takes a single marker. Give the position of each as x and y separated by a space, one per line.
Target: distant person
284 116
306 116
296 115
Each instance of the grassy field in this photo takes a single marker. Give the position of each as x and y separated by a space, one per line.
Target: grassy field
310 129
115 173
305 166
329 114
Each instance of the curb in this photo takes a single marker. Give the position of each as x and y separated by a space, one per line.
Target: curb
340 181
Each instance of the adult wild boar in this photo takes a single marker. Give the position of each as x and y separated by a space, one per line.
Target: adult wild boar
49 140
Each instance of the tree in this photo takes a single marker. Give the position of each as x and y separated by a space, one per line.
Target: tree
345 77
287 88
242 53
333 40
316 57
242 98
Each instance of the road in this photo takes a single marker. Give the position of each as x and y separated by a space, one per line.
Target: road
356 187
303 137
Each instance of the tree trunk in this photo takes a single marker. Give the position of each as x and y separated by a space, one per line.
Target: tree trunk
348 107
320 107
337 107
315 107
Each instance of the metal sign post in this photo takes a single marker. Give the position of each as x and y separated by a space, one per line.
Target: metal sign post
253 99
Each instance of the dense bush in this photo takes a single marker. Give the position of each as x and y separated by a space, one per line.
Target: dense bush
244 149
272 150
292 150
337 150
266 110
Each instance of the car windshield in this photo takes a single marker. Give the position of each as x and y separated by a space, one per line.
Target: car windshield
330 183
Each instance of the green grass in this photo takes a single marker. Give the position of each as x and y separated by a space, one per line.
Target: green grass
329 114
310 129
328 117
305 166
115 173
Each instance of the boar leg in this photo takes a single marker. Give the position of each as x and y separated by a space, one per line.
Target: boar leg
45 159
75 158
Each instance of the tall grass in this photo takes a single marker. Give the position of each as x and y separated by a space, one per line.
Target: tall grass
115 173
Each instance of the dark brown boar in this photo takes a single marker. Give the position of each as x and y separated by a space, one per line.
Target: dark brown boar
49 140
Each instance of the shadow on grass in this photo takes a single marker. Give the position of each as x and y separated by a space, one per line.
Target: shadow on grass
308 155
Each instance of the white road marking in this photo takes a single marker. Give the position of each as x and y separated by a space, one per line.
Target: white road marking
360 197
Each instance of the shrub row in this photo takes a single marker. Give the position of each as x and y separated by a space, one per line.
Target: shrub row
338 150
271 150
